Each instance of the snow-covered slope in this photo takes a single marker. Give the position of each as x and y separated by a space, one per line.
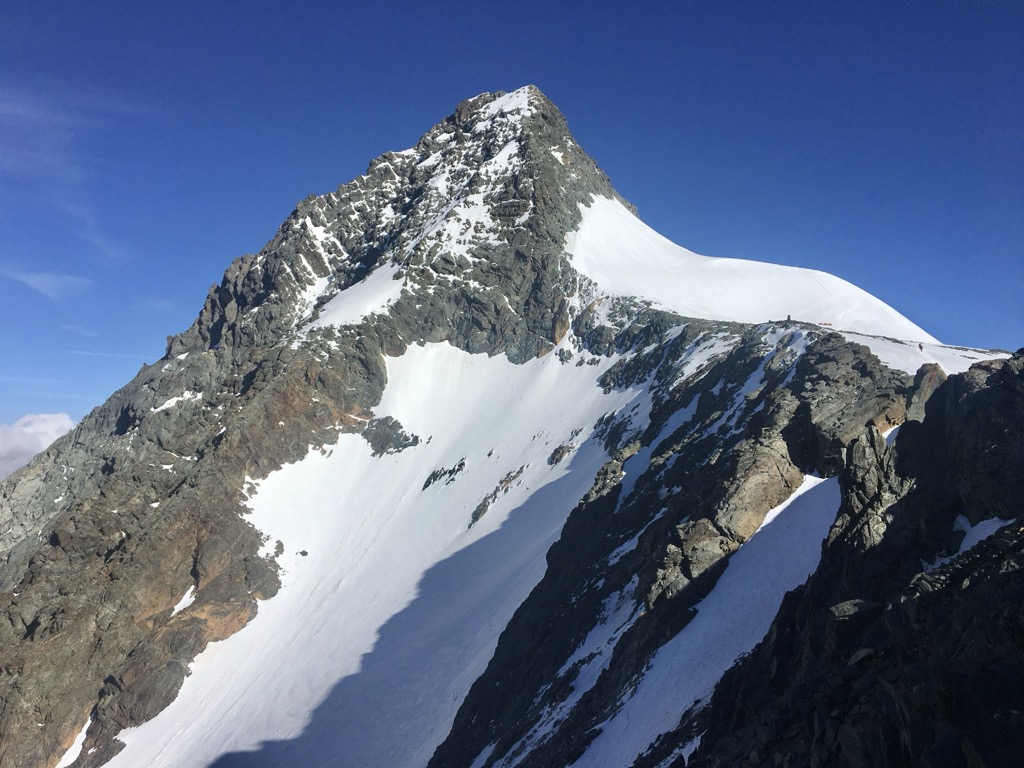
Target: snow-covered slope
626 257
909 356
391 601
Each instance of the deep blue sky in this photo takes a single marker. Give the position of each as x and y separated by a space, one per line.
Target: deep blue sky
143 148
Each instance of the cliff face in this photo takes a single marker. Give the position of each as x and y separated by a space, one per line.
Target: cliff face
894 652
129 546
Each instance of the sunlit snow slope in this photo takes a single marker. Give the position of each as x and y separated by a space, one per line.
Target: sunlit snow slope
625 256
391 603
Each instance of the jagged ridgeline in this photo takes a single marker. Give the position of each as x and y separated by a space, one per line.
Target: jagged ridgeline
469 467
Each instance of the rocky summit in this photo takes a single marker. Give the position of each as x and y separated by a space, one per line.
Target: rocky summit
469 467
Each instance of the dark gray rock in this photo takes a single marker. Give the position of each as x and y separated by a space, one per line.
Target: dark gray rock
926 381
386 435
878 660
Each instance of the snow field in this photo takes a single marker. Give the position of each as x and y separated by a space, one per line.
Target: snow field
908 356
373 294
626 257
391 604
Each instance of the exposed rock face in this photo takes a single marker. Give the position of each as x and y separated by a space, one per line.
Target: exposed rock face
881 659
927 380
483 182
143 505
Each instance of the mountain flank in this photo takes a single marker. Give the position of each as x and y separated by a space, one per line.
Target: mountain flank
469 467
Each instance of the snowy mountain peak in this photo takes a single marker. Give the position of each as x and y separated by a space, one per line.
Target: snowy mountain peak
497 211
482 109
474 216
464 426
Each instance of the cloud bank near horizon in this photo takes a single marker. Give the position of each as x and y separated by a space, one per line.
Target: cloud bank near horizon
29 435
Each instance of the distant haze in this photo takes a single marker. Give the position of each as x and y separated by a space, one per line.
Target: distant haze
29 435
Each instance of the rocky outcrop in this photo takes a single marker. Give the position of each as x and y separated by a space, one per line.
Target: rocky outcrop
929 377
474 217
894 653
722 447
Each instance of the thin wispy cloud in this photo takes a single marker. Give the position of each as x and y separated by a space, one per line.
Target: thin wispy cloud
154 304
78 330
52 285
43 126
119 355
44 134
38 135
86 227
29 435
29 380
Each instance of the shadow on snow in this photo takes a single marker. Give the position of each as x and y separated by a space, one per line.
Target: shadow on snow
400 705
